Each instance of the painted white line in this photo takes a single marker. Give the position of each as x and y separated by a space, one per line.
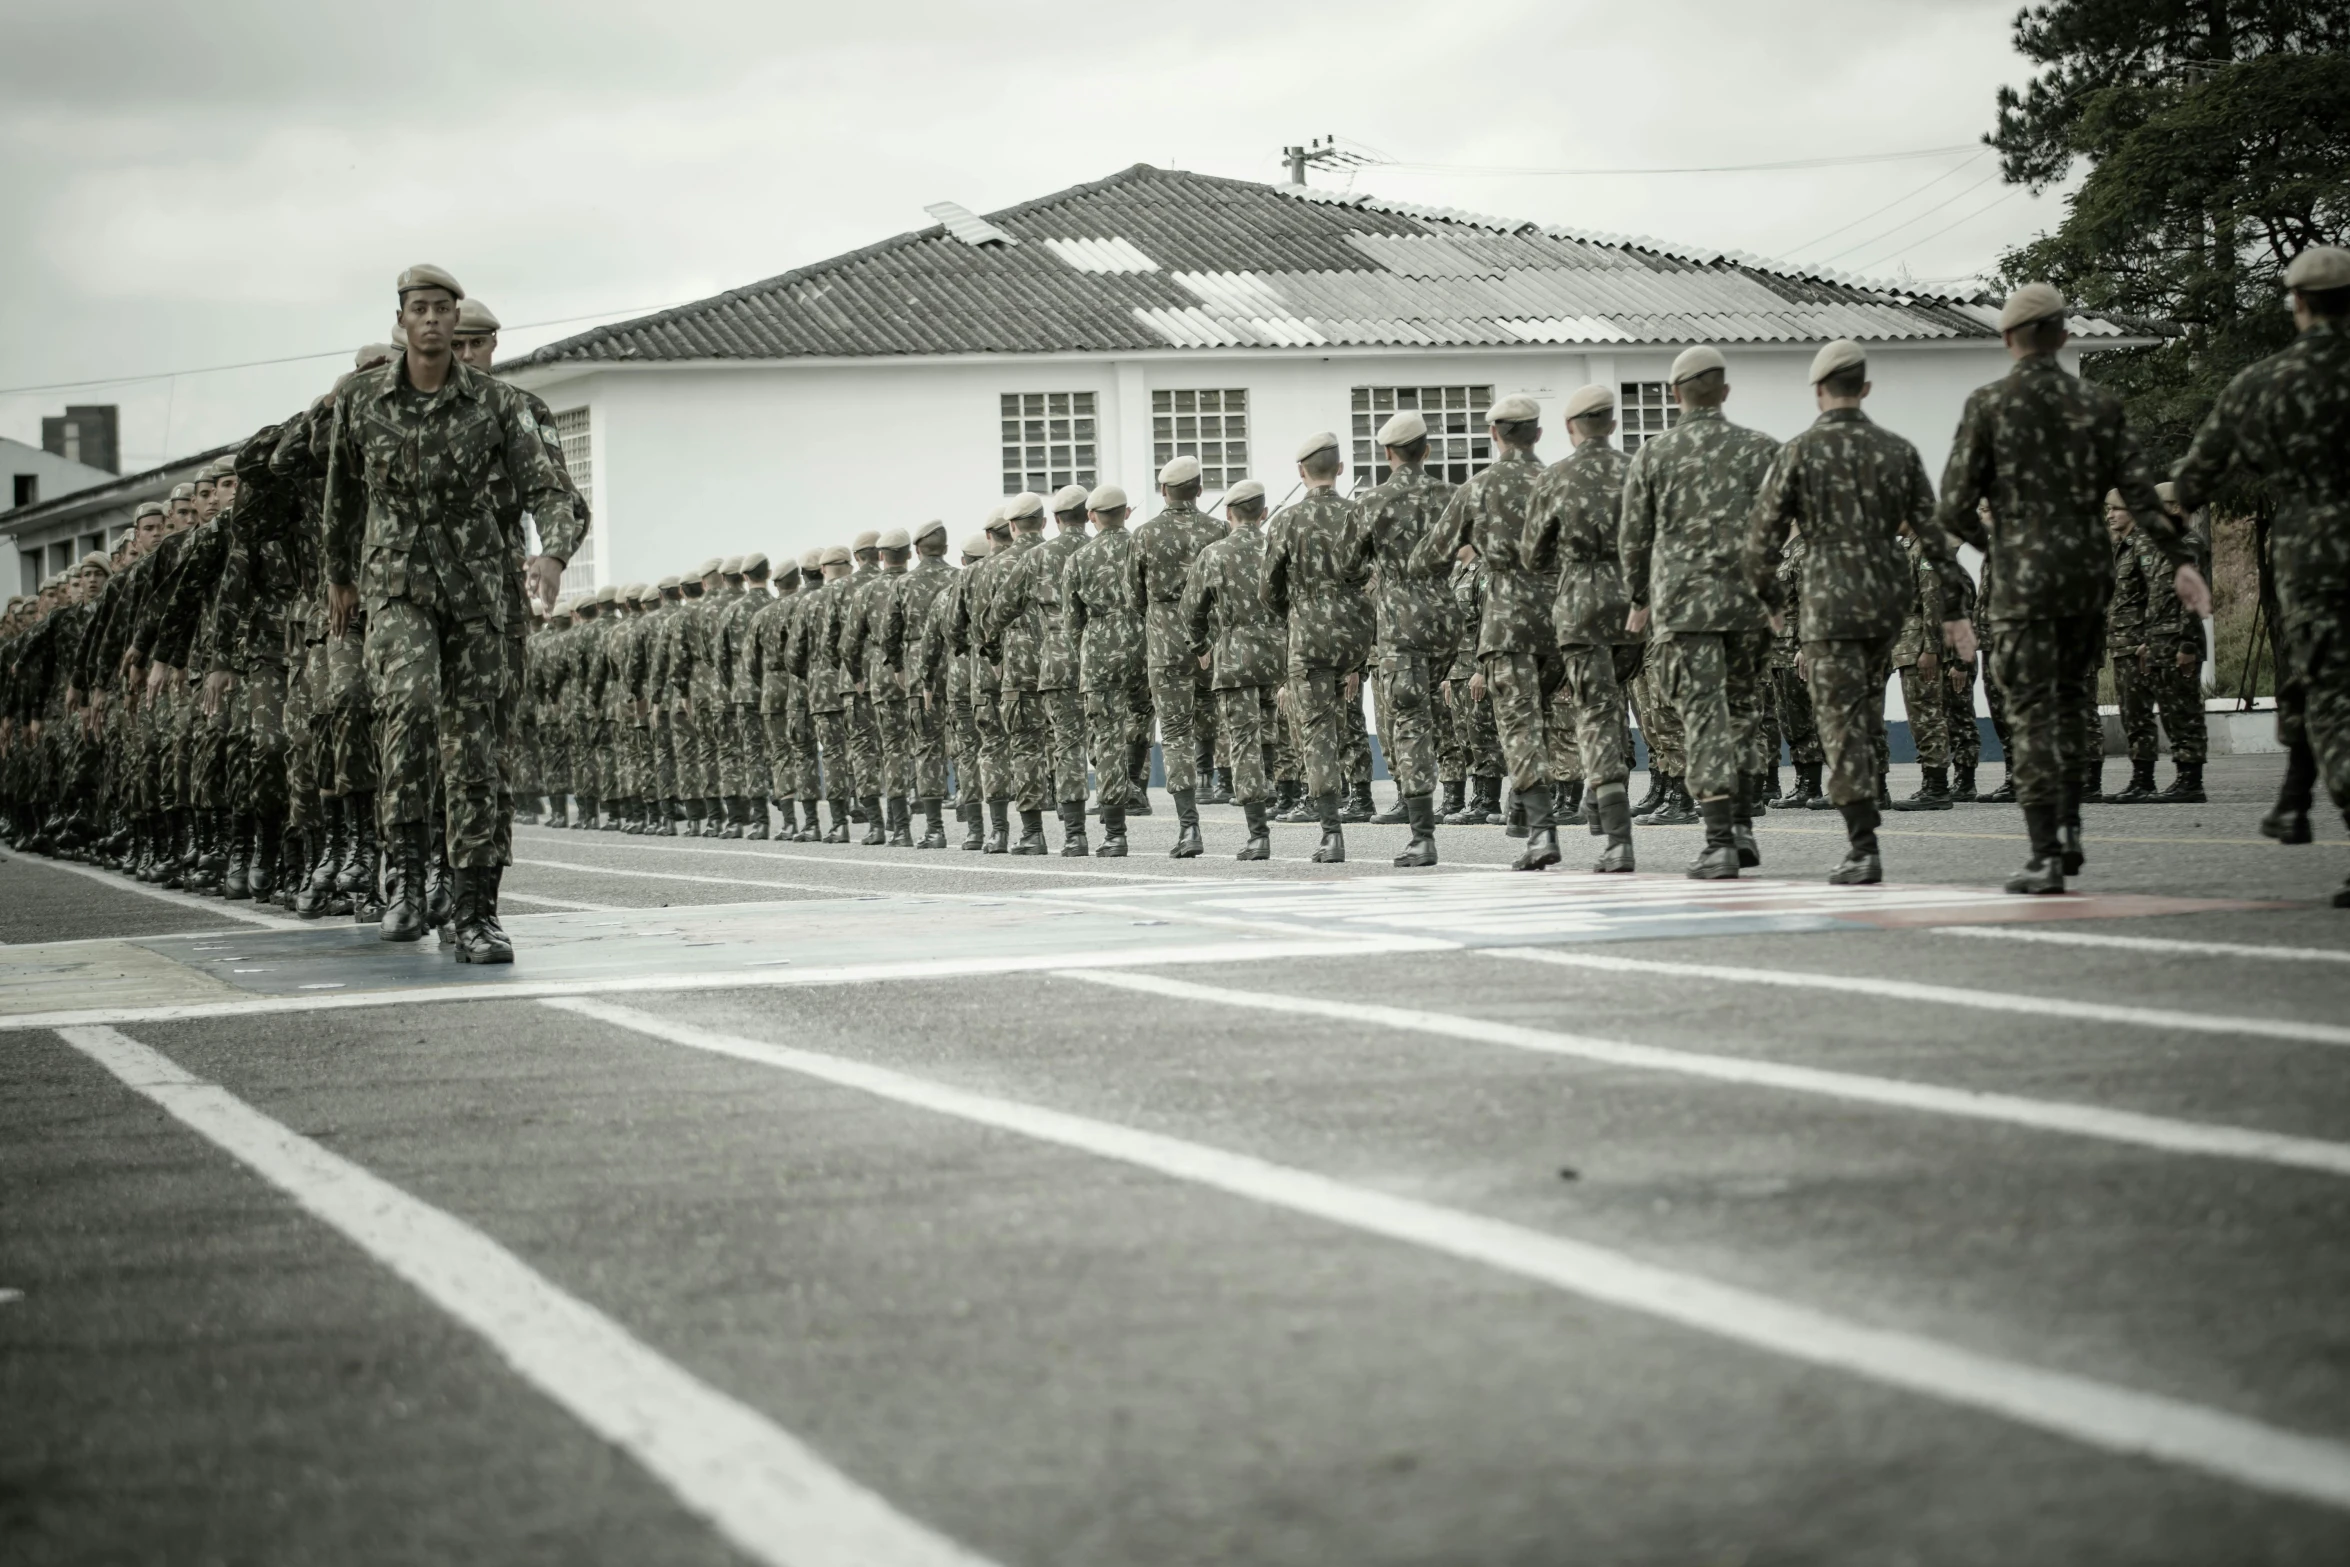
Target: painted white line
711 881
2042 1007
2043 1115
859 858
571 905
2167 947
2099 1414
218 906
760 1486
1243 950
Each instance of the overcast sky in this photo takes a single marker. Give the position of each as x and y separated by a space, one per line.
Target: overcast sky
192 186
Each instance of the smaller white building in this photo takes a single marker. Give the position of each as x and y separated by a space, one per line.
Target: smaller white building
1093 334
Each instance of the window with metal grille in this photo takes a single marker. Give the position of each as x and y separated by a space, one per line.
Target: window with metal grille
1456 415
579 458
1209 425
1648 410
1048 440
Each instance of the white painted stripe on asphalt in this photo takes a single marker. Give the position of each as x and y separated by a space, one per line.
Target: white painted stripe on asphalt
509 895
2166 946
846 859
1242 950
2042 1115
764 1489
1943 995
244 912
2099 1414
827 888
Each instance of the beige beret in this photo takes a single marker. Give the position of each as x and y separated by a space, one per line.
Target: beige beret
399 338
1591 400
183 492
1245 490
1517 408
149 509
2167 493
732 566
754 563
1321 442
425 275
1842 354
708 567
1403 429
978 546
895 539
869 539
2114 501
2033 302
2319 268
1025 504
1107 497
668 584
475 319
1182 470
645 592
609 593
811 559
372 354
933 528
1697 361
834 555
1068 498
97 562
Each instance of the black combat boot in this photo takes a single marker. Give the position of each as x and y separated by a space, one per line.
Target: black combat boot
2186 786
839 831
999 827
1659 785
1073 844
1187 840
1260 833
1766 790
1398 813
1292 805
2092 788
1804 790
480 938
2045 871
2139 789
1542 834
901 822
404 917
934 827
210 857
1962 783
1420 811
2003 795
1514 819
1749 786
1861 866
1566 802
357 870
1220 793
318 876
1678 810
1933 792
2287 821
1612 810
1113 834
756 806
1333 849
1204 771
236 883
1358 805
439 885
1718 860
1449 805
1138 768
876 834
974 820
857 814
1031 834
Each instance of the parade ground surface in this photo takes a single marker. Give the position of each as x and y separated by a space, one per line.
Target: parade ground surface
853 1207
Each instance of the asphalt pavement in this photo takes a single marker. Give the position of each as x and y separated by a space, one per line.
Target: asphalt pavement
830 1205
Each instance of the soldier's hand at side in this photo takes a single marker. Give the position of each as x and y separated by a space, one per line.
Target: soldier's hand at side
342 602
543 575
1354 687
2193 591
155 675
1929 666
2188 659
2145 660
1778 625
1803 666
1207 661
1637 621
1477 686
1959 637
73 699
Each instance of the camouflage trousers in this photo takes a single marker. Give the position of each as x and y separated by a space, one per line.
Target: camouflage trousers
641 776
697 750
2047 671
1660 720
783 757
2317 656
1714 680
262 781
1064 714
742 768
1958 711
1317 695
1591 693
961 720
1175 703
1995 699
1797 726
995 752
1846 684
864 743
926 738
1404 691
1356 759
832 745
434 678
1521 687
1028 742
1476 742
1246 717
1929 730
895 726
1109 733
351 705
2160 688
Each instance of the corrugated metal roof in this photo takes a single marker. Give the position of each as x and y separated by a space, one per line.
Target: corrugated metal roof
1153 258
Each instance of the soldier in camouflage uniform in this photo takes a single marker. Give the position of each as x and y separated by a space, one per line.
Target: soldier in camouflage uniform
2043 447
1477 741
1230 628
877 774
1056 669
815 660
904 621
988 697
765 639
2173 661
578 711
1164 549
2125 637
1667 803
864 727
807 755
1414 623
1008 603
1917 653
1790 690
1309 575
1572 530
1958 696
412 530
1103 622
1687 498
633 710
2157 652
2286 423
943 669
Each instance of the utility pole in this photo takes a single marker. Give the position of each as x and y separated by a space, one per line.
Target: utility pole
1297 164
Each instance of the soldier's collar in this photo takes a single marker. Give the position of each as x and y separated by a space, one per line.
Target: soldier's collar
1844 416
1714 412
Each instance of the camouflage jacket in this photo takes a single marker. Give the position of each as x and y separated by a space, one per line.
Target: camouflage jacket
986 653
815 652
1414 612
2286 422
942 651
1489 515
1309 577
1922 612
1687 498
860 627
1224 612
2169 628
735 613
1160 564
2125 614
766 640
2043 446
182 628
162 568
1056 666
1850 483
1012 619
1099 612
1466 586
1571 532
412 505
698 677
633 664
907 614
1786 596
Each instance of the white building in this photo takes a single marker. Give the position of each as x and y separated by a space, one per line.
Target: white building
1092 334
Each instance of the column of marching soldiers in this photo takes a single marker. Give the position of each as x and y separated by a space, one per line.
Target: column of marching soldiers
1729 590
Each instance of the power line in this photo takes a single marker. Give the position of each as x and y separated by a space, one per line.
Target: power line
1947 227
289 359
1914 217
1843 160
1888 207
